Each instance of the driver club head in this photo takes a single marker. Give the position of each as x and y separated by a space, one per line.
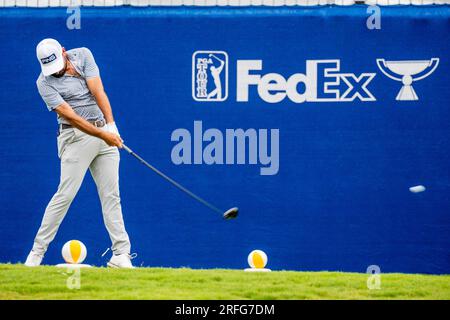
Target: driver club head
231 213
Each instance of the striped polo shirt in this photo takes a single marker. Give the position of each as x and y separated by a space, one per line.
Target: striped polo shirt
73 89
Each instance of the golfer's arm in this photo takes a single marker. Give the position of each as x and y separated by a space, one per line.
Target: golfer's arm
222 64
66 112
95 86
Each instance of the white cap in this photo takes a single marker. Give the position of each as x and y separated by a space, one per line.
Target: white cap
49 54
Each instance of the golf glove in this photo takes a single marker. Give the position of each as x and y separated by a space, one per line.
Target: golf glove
112 128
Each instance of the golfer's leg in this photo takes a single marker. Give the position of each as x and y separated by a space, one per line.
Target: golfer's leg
105 171
212 93
219 91
74 163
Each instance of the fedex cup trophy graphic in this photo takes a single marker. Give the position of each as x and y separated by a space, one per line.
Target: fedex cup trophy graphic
407 72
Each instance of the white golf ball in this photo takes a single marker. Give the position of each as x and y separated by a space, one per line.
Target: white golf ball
257 259
74 251
417 189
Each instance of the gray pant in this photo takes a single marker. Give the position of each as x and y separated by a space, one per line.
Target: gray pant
79 151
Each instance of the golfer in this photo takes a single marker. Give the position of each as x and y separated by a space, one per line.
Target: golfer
215 73
70 85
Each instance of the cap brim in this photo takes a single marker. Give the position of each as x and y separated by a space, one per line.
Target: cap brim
54 67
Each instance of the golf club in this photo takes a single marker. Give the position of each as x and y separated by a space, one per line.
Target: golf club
229 214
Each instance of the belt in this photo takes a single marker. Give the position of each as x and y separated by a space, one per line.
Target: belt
97 123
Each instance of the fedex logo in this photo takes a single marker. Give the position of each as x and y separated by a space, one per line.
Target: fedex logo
322 82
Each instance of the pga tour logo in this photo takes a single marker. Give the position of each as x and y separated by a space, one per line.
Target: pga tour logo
210 76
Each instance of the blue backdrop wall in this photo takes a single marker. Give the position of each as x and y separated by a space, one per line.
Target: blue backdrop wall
340 200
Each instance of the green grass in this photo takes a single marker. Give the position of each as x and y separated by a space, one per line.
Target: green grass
19 282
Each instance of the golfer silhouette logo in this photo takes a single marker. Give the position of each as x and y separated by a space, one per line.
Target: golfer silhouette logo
210 76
